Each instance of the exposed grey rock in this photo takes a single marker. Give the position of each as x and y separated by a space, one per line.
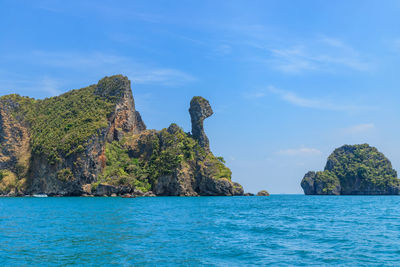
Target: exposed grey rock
199 110
105 190
213 187
308 183
123 189
149 194
237 189
137 192
87 165
263 193
179 183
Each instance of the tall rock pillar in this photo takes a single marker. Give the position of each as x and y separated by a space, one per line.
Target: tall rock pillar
199 110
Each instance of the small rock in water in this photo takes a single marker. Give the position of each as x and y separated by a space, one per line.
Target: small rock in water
263 193
149 194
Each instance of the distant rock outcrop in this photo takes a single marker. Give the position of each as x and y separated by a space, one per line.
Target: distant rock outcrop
263 193
353 170
199 110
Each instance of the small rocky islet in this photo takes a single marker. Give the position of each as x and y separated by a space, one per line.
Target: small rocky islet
353 170
92 141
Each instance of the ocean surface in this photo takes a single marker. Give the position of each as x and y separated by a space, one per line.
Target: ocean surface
196 231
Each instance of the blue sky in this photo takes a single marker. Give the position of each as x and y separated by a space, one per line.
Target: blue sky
289 81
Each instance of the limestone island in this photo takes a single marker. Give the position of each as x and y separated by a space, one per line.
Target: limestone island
353 170
92 141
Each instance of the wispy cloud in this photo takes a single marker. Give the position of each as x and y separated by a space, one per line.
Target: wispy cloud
296 100
359 128
50 86
302 151
95 8
67 59
42 86
170 77
256 94
333 42
323 54
292 55
101 64
300 101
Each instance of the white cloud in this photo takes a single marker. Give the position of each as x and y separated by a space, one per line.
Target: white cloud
102 64
43 86
323 54
85 9
333 42
315 103
66 59
302 151
169 77
296 100
258 94
292 60
292 55
359 128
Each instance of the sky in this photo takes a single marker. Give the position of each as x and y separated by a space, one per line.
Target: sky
289 81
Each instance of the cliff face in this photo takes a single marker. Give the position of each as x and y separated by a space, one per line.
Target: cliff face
353 170
15 152
93 140
178 164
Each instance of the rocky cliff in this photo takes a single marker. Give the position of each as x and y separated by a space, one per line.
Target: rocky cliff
353 170
93 141
200 110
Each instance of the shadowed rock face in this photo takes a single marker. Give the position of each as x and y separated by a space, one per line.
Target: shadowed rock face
125 118
199 110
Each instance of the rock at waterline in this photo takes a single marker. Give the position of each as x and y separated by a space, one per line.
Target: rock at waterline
263 193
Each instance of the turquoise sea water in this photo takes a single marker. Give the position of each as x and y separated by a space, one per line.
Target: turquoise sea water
184 231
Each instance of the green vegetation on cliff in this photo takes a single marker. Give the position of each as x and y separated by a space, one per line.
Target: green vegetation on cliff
328 180
353 169
65 175
61 125
139 160
120 169
9 182
62 145
361 162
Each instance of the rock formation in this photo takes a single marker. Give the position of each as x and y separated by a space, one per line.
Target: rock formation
263 193
353 170
199 110
92 141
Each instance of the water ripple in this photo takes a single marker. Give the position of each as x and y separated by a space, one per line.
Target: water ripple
216 231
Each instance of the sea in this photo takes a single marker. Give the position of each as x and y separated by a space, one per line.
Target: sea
279 230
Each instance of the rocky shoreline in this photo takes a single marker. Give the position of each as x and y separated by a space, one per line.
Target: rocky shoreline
104 190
